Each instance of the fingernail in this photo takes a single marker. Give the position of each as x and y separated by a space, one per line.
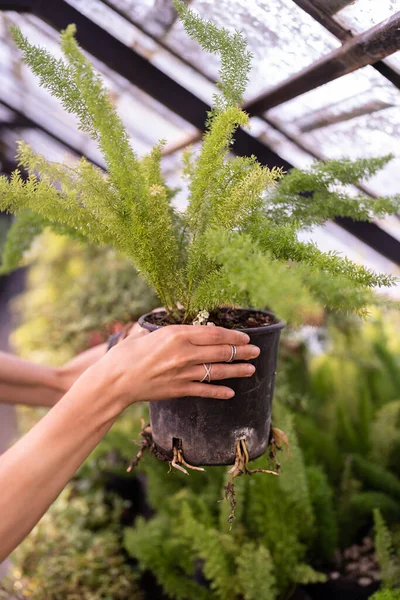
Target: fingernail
246 337
230 393
255 351
250 369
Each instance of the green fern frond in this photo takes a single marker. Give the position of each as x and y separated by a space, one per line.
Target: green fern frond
232 49
390 570
326 536
21 235
255 572
237 241
313 196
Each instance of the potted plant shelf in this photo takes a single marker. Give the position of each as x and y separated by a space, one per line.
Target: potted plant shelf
235 245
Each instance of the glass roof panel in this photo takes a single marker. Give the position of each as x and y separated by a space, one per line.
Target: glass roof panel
282 37
147 121
131 35
116 24
361 15
156 17
363 120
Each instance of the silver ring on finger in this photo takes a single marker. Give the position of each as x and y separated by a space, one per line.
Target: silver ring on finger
233 354
207 374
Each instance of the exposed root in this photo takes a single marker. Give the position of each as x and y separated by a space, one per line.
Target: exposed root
188 465
241 467
147 443
174 463
277 439
230 496
178 459
252 471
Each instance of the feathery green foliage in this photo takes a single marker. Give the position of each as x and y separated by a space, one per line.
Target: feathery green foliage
19 239
236 242
376 477
386 595
74 295
261 557
74 552
385 432
326 538
313 196
388 562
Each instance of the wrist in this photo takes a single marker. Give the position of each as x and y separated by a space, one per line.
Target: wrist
63 379
103 381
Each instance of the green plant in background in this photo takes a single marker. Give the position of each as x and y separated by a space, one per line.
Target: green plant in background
237 241
276 533
72 293
349 424
388 554
74 553
282 526
386 595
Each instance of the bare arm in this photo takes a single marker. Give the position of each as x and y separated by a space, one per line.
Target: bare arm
23 382
163 364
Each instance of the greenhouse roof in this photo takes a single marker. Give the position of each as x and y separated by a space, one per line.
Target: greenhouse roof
325 84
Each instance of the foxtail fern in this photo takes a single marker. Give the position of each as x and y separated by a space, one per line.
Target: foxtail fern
237 242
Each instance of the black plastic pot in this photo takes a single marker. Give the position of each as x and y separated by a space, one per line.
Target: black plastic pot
208 428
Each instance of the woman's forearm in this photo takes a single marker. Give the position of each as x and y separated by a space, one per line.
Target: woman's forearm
23 382
26 383
35 470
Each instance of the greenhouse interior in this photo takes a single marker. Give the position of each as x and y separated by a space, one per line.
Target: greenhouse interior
199 299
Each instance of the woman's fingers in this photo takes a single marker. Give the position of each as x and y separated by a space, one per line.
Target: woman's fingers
223 353
218 371
205 390
137 331
208 336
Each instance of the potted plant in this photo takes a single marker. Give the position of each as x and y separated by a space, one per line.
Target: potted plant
235 245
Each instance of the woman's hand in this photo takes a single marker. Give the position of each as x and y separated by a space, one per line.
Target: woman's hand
169 363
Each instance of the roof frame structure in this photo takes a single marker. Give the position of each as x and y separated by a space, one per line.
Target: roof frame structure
321 13
21 121
364 49
140 72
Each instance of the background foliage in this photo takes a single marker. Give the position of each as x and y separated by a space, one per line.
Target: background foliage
287 529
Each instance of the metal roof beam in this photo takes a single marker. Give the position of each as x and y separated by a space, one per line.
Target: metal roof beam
365 49
17 5
323 14
24 122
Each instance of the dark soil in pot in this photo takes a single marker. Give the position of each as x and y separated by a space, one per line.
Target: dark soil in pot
208 429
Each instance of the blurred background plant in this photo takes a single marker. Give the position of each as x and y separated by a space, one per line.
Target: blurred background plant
76 296
338 398
74 552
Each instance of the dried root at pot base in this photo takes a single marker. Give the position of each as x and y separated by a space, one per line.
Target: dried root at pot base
178 459
178 462
277 440
240 468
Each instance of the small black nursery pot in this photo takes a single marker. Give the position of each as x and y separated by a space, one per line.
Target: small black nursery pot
208 429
